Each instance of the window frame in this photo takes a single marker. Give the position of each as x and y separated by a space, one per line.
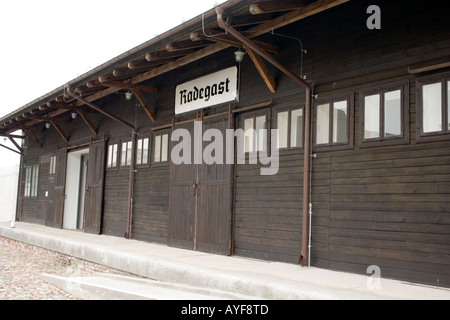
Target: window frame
155 134
444 134
52 169
149 151
289 110
382 140
31 181
118 156
331 100
128 157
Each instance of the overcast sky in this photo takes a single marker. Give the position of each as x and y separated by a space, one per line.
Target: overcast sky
47 43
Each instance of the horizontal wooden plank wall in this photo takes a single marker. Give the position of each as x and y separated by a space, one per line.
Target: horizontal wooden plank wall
386 205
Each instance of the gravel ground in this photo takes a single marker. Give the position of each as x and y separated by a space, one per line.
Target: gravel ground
21 266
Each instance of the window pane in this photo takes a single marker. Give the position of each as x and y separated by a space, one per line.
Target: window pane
323 124
142 152
158 149
35 182
340 122
112 156
261 132
297 128
393 113
124 161
139 151
165 148
249 135
28 172
283 120
432 108
372 117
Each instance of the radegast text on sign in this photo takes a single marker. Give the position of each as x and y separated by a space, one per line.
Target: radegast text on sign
217 88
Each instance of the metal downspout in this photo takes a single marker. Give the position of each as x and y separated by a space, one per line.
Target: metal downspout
304 258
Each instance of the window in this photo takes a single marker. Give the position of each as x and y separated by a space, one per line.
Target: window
31 181
126 154
52 165
113 152
290 129
332 123
161 151
142 151
434 105
383 115
255 134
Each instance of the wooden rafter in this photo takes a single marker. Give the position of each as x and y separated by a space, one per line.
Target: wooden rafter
88 122
124 85
15 143
33 137
275 6
164 54
186 45
148 109
60 131
215 36
281 21
263 70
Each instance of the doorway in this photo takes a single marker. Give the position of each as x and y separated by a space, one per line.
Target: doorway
75 195
200 213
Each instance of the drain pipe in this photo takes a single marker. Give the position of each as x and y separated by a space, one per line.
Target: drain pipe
304 257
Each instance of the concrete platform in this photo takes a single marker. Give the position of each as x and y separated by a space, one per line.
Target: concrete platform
173 273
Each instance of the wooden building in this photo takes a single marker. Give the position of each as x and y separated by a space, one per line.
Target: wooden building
359 94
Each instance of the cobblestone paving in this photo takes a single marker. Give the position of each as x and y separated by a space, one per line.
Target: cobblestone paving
21 266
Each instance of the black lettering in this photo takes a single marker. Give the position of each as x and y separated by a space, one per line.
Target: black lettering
214 90
207 93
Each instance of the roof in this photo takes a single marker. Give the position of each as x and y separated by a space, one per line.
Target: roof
191 41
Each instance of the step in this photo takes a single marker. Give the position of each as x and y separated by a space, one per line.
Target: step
116 287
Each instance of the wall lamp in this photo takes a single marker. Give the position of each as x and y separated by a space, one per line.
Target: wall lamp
128 95
74 115
48 125
239 56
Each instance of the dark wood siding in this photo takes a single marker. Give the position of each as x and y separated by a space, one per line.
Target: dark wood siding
385 205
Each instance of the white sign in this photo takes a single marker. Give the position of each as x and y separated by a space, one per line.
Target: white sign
214 89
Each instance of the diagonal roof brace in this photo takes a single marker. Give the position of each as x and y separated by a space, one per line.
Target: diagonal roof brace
69 92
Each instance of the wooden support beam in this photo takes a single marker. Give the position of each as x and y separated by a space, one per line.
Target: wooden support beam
249 19
164 54
124 85
58 128
276 6
430 65
33 137
186 44
147 65
219 37
263 70
16 144
87 121
59 105
148 109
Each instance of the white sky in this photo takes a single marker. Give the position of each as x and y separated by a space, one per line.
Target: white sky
47 43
